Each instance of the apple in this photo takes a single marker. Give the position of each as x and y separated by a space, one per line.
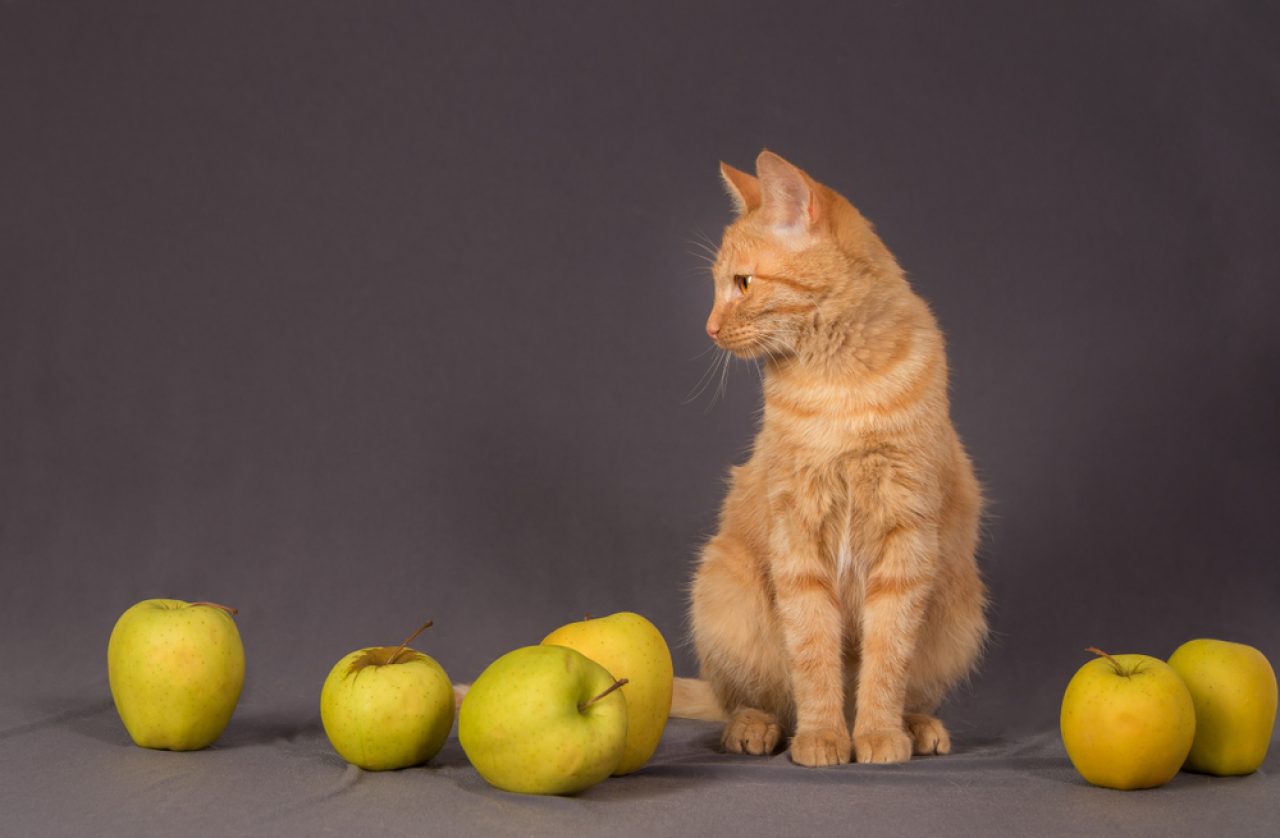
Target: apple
1127 721
387 707
1233 688
544 720
176 670
630 647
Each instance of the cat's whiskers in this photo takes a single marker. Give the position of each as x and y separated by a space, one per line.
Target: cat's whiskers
718 369
708 375
773 350
705 240
765 343
724 378
710 348
706 251
704 264
706 259
773 337
772 345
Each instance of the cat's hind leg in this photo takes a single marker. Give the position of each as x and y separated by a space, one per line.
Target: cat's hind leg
740 648
928 734
751 731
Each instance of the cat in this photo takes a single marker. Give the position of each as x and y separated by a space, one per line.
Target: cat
840 599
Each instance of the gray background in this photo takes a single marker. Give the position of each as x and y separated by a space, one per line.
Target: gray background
354 315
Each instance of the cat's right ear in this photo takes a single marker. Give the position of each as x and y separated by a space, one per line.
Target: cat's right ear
743 189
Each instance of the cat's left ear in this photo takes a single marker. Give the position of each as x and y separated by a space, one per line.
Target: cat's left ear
787 196
743 189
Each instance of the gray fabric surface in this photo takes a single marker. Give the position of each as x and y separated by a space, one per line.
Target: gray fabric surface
350 315
68 768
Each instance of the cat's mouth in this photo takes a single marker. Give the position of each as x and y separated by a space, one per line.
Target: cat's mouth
749 347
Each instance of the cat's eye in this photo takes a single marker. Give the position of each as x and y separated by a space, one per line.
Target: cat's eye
743 281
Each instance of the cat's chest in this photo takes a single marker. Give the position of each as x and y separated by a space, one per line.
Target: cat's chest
819 417
817 424
839 497
822 437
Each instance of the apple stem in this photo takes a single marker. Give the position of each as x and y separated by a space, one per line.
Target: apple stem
1114 663
618 683
227 608
409 640
586 616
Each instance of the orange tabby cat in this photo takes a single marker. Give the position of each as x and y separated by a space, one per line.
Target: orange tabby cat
841 595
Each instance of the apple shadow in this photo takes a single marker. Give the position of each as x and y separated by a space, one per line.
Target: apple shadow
95 718
270 729
653 782
451 755
1062 773
661 777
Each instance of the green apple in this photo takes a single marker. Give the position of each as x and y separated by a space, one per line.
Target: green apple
387 707
1233 688
1127 721
544 720
630 647
176 669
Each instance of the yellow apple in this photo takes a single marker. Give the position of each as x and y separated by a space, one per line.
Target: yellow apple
544 720
176 670
630 647
387 707
1127 721
1233 688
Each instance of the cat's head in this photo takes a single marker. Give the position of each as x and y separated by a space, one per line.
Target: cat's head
786 258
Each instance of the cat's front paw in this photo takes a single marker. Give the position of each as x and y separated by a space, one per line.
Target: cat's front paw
815 748
882 746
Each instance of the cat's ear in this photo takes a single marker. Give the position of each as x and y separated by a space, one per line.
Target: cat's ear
743 189
788 199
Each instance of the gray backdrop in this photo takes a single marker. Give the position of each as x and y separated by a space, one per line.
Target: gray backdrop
352 315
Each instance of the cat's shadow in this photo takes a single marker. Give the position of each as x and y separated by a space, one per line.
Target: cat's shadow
703 758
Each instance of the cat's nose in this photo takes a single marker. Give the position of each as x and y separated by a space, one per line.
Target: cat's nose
713 328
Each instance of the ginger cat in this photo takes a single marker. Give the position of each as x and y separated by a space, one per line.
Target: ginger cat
840 600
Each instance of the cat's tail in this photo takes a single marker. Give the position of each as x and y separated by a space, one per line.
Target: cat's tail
691 698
